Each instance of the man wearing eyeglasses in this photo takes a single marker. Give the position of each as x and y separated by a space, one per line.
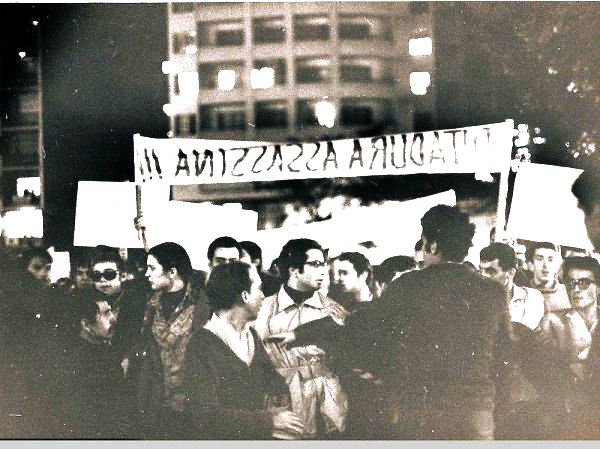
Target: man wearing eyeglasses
126 298
315 391
573 347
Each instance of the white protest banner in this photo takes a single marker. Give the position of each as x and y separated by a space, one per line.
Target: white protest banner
543 207
105 212
481 150
393 227
195 225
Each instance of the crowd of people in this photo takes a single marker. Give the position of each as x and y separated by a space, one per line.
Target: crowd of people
140 345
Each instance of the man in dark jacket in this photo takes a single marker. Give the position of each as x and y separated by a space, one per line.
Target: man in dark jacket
228 375
431 338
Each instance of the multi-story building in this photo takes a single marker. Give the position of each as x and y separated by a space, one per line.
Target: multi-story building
20 112
299 70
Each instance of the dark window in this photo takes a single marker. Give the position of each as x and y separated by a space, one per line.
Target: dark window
305 113
311 29
356 115
267 31
177 129
312 71
417 8
270 114
222 117
352 31
220 34
226 38
355 74
423 121
183 7
192 124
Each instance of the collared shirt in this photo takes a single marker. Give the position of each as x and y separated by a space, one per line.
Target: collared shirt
241 343
313 388
526 306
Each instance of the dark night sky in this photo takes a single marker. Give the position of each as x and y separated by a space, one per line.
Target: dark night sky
102 83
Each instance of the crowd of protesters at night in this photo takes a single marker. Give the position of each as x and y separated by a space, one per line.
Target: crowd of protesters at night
139 345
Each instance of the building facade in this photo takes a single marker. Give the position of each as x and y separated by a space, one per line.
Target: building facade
299 71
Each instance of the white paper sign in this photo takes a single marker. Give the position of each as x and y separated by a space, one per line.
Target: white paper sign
544 209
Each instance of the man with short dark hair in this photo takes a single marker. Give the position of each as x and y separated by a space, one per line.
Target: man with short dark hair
389 270
227 371
223 250
316 393
517 399
430 338
252 254
91 386
545 260
351 280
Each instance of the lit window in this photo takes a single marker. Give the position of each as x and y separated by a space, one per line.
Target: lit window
263 78
168 109
167 67
420 47
226 79
188 84
325 112
191 50
419 82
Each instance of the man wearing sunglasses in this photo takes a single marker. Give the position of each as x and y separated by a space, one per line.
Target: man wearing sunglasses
573 348
126 298
316 392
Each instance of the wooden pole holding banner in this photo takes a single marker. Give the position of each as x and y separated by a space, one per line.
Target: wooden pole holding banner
138 205
503 191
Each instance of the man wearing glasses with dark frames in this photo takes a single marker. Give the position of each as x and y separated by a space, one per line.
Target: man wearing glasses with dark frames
315 391
573 346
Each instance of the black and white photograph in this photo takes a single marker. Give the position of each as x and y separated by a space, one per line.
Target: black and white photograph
300 221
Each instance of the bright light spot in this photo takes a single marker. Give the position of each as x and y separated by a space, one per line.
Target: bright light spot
32 184
325 112
169 109
263 78
522 140
419 82
170 134
35 23
422 46
552 71
571 86
192 33
167 67
522 127
191 50
539 140
226 79
189 84
537 130
22 54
